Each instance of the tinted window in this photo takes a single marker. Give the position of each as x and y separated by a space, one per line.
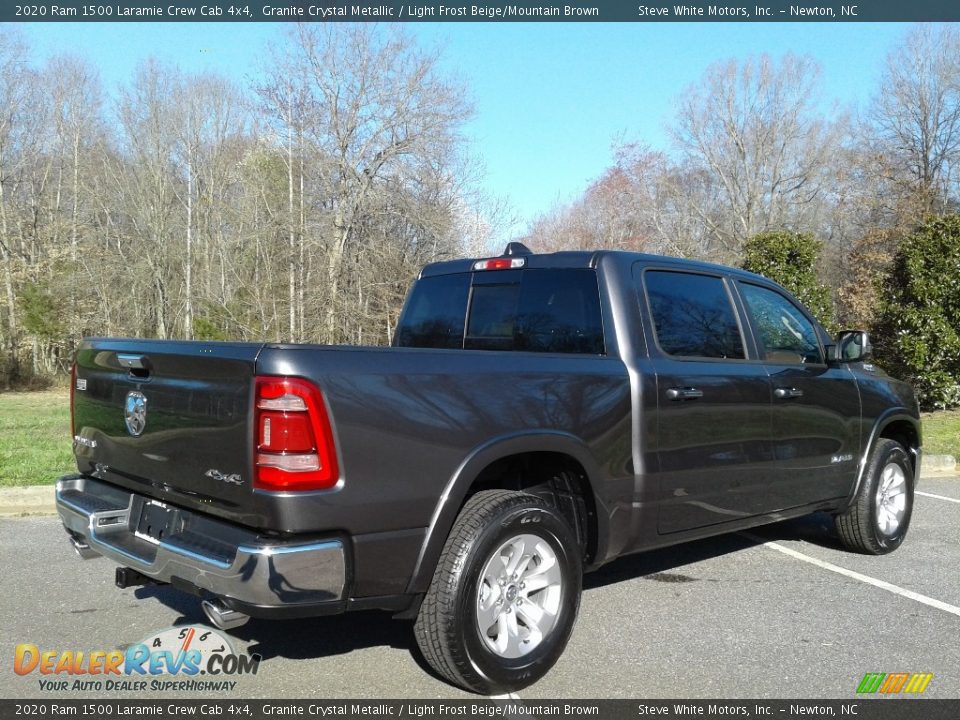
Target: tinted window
559 312
785 334
493 317
692 315
435 312
547 311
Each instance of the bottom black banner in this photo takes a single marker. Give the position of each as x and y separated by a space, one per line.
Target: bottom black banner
867 709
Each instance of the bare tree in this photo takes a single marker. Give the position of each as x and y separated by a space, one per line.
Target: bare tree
74 91
146 186
753 125
289 105
917 112
16 80
384 114
207 118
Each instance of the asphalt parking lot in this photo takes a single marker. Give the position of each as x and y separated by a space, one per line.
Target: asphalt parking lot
782 612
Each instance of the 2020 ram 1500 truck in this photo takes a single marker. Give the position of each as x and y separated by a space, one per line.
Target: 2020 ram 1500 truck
538 416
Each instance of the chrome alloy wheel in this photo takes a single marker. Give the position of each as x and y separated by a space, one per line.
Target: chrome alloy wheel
518 597
891 499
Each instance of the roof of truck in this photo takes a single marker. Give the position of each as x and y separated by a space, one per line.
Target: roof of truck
582 259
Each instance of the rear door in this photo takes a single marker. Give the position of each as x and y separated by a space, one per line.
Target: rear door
816 407
713 400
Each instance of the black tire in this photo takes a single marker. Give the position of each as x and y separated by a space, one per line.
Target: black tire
861 526
447 627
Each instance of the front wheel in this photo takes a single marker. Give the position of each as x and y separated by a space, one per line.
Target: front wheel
504 596
877 521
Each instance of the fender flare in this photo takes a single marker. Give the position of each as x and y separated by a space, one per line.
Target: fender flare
886 418
454 493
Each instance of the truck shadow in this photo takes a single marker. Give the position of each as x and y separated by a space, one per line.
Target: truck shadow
311 638
661 565
299 639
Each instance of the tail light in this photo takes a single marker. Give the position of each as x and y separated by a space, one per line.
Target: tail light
293 440
73 389
504 263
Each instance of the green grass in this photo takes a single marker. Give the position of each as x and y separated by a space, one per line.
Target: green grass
35 445
941 433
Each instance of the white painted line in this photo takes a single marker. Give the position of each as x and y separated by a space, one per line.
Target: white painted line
938 497
882 584
508 696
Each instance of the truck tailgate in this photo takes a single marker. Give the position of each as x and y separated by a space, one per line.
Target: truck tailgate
168 419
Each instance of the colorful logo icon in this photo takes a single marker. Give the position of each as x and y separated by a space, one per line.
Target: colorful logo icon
893 683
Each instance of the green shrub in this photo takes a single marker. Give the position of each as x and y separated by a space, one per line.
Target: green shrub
790 259
41 312
207 329
918 332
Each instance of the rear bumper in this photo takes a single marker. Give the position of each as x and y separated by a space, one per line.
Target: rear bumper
224 560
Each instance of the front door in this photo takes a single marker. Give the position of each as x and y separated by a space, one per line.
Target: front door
816 408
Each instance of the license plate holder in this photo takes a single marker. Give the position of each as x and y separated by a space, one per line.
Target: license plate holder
156 522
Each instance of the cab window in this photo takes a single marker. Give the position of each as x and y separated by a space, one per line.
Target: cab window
784 333
693 315
532 310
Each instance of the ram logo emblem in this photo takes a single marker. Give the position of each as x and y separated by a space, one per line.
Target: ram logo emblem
135 413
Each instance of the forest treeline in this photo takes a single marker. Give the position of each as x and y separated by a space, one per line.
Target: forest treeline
295 208
298 205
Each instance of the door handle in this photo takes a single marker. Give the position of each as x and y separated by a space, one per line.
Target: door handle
787 393
686 393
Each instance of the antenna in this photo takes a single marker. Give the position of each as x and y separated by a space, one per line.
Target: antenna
516 248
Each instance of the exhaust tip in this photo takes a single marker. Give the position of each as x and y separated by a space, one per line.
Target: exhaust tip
82 549
223 617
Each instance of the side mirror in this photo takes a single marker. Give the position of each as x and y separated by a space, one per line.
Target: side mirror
853 346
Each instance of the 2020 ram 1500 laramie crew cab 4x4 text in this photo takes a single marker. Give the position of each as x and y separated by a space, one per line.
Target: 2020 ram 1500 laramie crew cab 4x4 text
538 416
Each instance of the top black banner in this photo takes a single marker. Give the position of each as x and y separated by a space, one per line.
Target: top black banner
480 11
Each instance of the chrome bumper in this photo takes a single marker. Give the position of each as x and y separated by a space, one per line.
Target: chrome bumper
211 555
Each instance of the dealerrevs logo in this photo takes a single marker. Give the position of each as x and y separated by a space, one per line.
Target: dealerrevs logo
184 652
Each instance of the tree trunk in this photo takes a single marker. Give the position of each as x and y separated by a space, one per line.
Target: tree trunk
188 275
292 279
7 257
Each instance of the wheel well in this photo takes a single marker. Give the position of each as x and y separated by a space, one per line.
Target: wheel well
557 478
905 433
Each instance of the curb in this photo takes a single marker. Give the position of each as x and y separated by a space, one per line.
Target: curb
938 465
30 500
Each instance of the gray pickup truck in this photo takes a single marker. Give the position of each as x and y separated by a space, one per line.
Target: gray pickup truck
537 417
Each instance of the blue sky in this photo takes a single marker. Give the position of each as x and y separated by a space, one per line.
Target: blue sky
550 98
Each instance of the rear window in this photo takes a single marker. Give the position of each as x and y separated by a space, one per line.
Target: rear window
554 311
434 313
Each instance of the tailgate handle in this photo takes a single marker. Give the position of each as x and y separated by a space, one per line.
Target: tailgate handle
131 362
684 393
787 393
138 365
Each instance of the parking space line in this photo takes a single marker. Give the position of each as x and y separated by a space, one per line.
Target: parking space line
882 584
507 696
938 497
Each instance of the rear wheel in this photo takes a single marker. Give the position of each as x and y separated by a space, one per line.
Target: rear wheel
877 521
504 596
